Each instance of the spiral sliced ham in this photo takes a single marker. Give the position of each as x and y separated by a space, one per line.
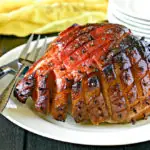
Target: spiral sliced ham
101 70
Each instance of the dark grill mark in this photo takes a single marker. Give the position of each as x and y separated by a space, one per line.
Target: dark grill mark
93 82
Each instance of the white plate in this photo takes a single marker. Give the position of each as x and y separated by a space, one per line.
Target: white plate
132 25
26 117
137 22
134 8
129 23
136 30
130 20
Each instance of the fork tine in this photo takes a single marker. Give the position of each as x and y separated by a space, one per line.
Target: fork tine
42 49
24 53
34 52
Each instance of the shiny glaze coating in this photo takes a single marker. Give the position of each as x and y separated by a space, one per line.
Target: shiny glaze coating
102 68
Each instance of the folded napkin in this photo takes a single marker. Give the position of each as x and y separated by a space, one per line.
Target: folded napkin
23 17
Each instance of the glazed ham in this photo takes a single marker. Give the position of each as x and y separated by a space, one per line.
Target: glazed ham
101 70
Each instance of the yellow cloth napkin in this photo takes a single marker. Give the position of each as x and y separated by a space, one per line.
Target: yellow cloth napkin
23 17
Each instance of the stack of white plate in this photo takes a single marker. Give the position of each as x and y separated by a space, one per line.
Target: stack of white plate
134 14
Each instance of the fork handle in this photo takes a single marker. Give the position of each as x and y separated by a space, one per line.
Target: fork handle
5 70
9 89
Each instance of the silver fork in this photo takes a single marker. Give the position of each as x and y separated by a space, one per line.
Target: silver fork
26 59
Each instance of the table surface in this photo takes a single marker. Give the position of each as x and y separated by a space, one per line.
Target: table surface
13 137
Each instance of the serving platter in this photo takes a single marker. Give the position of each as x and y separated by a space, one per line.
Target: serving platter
25 116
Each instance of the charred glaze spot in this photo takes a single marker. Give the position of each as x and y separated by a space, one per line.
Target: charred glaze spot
25 93
145 83
42 108
71 58
95 101
21 95
79 71
108 69
91 67
148 59
147 102
41 89
120 115
122 47
110 56
99 108
79 107
60 117
83 65
119 59
90 38
16 89
23 90
134 110
80 104
127 77
144 48
31 77
83 51
28 83
96 69
141 68
132 95
80 111
76 86
68 80
43 92
145 116
93 81
80 116
122 60
61 108
42 99
128 41
133 121
42 83
109 73
62 68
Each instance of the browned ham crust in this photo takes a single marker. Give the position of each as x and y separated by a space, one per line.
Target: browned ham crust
103 68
